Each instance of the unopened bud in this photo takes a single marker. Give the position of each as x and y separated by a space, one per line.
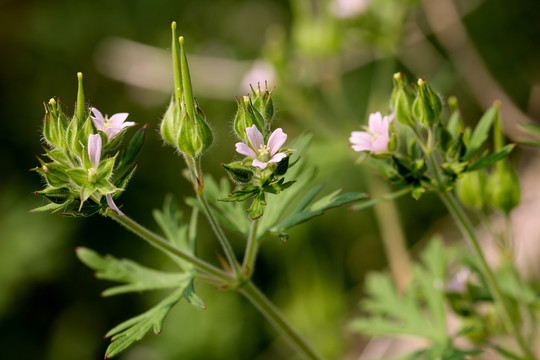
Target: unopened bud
238 172
427 106
402 99
471 189
503 188
246 117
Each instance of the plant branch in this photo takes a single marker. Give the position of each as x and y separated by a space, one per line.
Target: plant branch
248 264
272 314
162 244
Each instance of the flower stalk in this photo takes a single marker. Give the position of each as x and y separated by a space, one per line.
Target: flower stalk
248 264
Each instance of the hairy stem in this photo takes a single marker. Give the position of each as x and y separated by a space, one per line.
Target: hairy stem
467 229
272 314
162 244
248 265
225 244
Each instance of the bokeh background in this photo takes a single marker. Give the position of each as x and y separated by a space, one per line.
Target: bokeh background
331 62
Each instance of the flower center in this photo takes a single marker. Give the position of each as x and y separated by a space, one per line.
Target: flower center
263 150
108 123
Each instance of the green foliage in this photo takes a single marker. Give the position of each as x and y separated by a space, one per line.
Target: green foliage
420 310
137 278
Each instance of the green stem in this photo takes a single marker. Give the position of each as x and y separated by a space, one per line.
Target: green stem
225 244
272 314
248 265
162 244
467 229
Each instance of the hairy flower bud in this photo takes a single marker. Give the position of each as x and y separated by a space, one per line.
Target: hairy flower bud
402 99
427 106
247 116
471 189
238 172
503 188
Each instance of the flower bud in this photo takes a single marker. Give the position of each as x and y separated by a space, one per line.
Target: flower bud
471 189
503 188
402 99
247 116
238 172
428 105
262 102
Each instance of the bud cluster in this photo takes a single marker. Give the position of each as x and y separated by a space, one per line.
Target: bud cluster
184 125
81 158
265 163
425 151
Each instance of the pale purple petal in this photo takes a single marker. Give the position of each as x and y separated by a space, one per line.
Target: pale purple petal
361 138
112 205
112 132
245 150
260 164
118 119
276 141
376 124
94 149
381 144
98 119
255 137
277 158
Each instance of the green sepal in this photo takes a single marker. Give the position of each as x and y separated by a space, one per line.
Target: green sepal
454 169
78 176
402 99
262 102
417 192
58 156
86 191
238 172
53 207
54 173
50 130
105 168
72 138
105 187
57 195
192 297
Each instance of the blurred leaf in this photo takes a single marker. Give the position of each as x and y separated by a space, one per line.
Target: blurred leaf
135 276
134 329
487 160
480 133
372 202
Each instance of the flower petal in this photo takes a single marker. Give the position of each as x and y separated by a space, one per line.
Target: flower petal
376 124
112 205
94 149
260 164
277 158
112 132
255 137
361 139
98 119
245 150
381 144
118 119
276 141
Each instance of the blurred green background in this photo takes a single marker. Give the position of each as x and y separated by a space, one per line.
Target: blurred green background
331 63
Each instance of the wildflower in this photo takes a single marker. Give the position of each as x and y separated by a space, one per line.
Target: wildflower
110 126
376 138
263 154
94 154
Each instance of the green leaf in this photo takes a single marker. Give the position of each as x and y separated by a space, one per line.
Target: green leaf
404 314
53 207
192 298
243 193
256 209
372 202
105 187
136 277
105 168
86 191
491 158
480 133
134 329
327 202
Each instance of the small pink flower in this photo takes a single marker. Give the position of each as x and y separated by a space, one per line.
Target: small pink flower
110 126
262 154
376 138
94 154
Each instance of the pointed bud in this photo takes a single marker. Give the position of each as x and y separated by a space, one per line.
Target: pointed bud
247 116
402 99
427 106
503 188
238 172
81 106
262 102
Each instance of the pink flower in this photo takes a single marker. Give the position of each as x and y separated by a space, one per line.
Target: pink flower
376 138
112 126
94 154
262 154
